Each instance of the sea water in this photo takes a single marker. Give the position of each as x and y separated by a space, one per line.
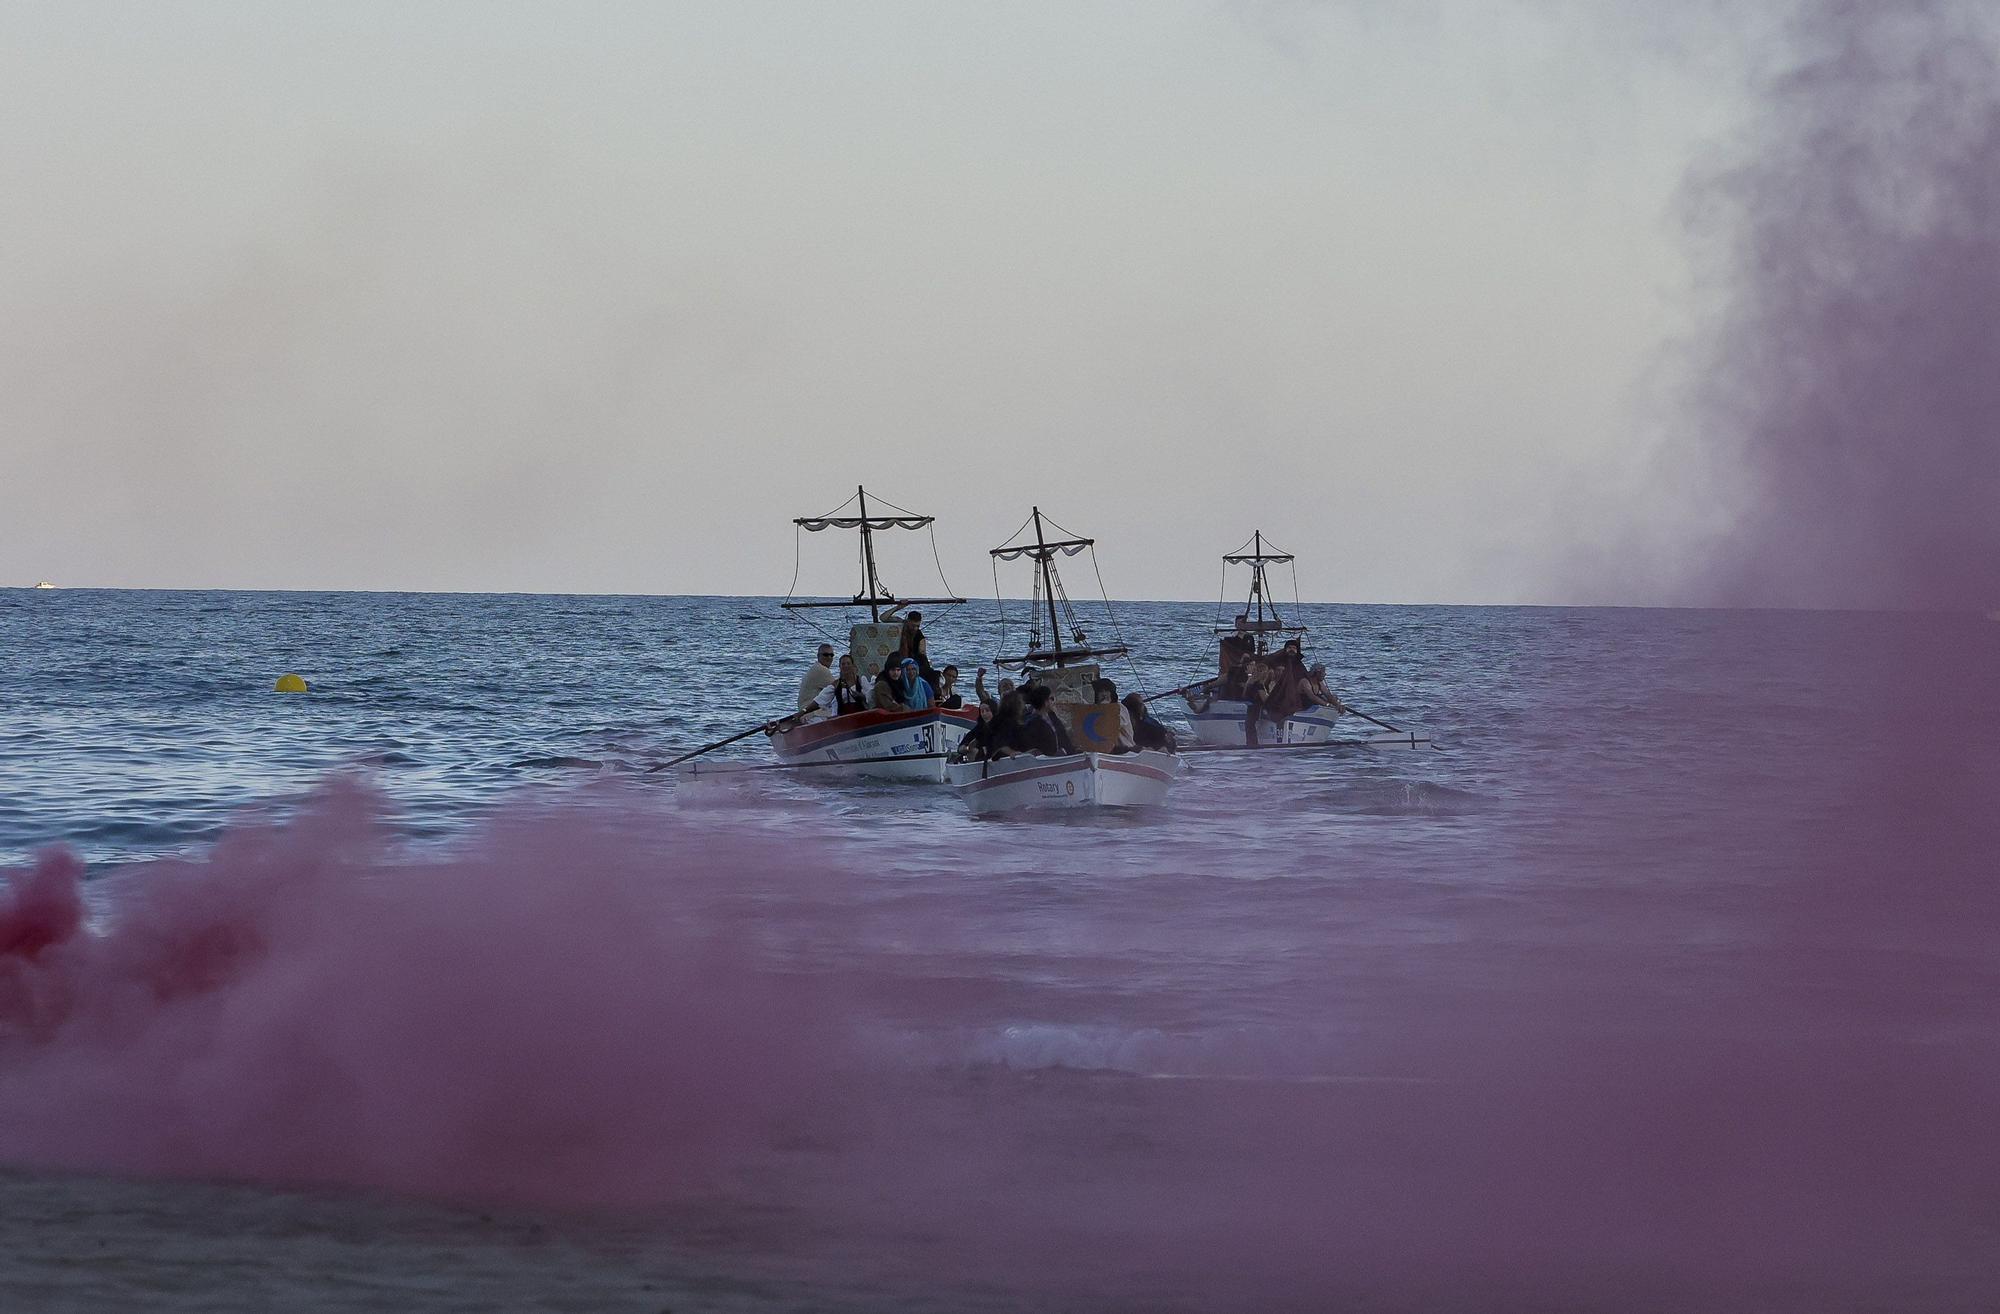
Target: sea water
1667 980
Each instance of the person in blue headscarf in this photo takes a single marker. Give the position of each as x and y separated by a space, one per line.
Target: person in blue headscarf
917 695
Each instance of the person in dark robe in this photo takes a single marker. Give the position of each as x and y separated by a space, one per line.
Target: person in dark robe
1148 731
888 695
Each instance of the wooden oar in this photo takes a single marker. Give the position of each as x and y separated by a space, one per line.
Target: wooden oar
802 766
1412 741
1183 689
1371 720
710 748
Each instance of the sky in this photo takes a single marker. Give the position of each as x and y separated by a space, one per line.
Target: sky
598 297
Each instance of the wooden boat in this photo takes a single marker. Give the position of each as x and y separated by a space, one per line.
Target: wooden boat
1088 779
1081 780
882 745
1259 630
876 744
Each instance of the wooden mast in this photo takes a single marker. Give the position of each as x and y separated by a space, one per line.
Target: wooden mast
872 596
869 581
1043 555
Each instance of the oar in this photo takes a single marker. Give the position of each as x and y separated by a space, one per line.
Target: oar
1321 746
738 768
1371 720
1183 689
710 748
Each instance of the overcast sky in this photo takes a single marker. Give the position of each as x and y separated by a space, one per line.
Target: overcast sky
596 297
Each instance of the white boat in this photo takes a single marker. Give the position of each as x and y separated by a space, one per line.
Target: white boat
1087 779
1221 725
44 585
1224 723
876 744
1082 780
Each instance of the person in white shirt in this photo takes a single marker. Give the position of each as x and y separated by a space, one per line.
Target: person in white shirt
845 696
818 677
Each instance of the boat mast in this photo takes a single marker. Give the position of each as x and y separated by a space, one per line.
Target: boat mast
872 595
1043 555
869 582
1260 611
1257 584
1043 551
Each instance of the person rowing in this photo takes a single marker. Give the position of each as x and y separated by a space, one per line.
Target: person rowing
1313 689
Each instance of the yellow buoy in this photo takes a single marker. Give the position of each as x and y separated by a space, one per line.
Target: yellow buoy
289 683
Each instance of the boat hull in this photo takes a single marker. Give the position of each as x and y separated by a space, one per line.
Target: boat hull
1220 725
877 745
1080 780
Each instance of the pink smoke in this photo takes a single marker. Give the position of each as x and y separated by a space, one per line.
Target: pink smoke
616 1005
545 1015
1848 402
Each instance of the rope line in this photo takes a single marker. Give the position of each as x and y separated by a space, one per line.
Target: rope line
999 605
952 593
798 535
1111 614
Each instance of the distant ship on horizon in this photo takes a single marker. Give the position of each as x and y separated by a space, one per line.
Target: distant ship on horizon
44 584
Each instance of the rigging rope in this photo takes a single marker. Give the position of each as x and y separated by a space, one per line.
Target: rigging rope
798 534
950 592
1017 533
999 607
1138 679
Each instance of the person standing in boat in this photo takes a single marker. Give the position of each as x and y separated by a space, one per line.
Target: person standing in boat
1285 680
915 646
948 695
1256 691
817 679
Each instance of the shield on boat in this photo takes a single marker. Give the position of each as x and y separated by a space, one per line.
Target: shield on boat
1093 727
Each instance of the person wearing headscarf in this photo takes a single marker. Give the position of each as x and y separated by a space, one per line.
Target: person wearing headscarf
917 695
888 696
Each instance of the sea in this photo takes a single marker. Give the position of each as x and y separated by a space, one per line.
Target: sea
1665 977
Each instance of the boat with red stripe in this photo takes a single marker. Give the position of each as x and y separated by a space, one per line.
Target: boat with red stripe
883 745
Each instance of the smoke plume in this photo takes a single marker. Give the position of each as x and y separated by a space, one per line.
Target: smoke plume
1849 389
